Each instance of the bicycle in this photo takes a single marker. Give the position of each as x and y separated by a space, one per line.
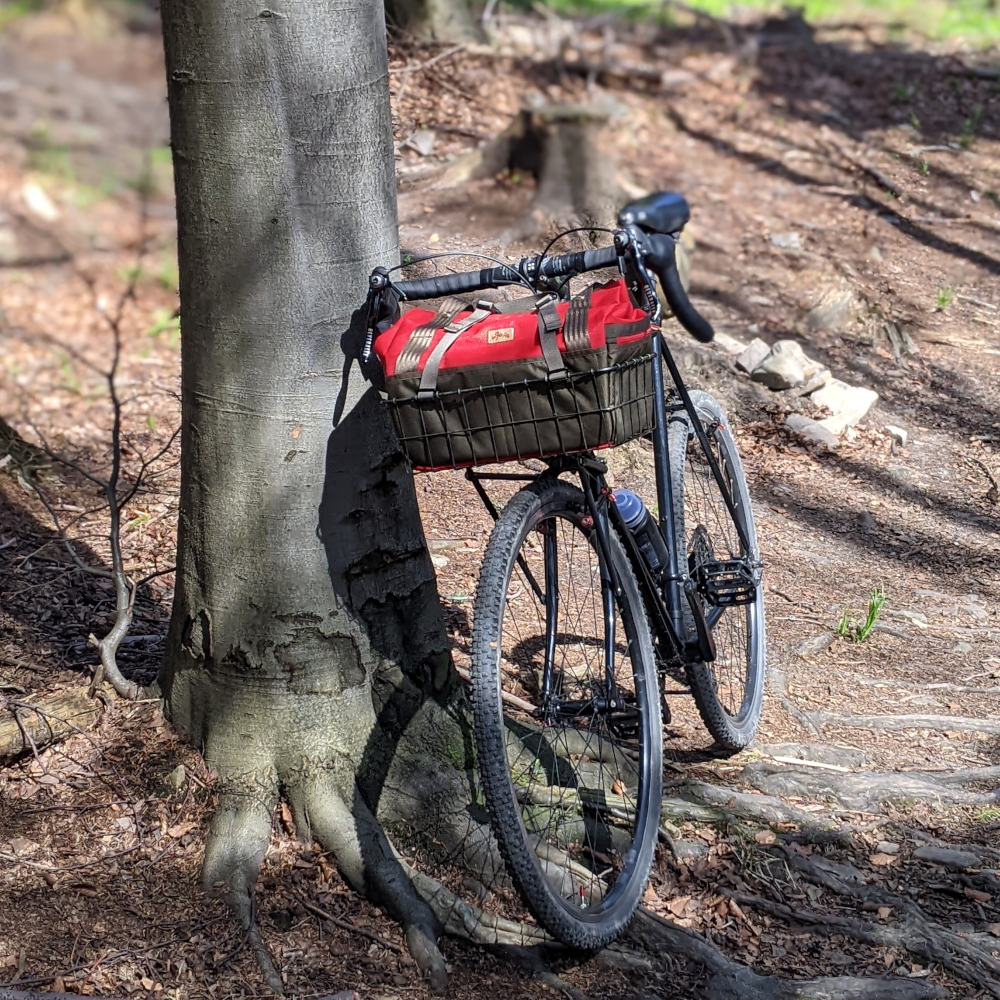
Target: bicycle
586 601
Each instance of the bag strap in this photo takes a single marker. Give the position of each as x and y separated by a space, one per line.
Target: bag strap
575 331
429 376
525 304
420 339
549 324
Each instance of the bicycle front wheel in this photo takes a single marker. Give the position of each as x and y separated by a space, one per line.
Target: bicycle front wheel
567 717
729 691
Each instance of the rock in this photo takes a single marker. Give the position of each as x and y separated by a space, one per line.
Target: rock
956 860
833 312
422 141
784 367
176 778
816 644
38 202
811 430
786 241
963 647
812 383
440 561
847 403
887 847
753 355
20 846
865 521
690 850
730 345
898 434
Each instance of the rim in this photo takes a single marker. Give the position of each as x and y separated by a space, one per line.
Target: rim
576 774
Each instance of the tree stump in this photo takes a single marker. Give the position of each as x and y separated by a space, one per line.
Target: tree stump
567 149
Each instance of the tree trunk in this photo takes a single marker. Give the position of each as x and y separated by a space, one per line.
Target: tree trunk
306 653
434 20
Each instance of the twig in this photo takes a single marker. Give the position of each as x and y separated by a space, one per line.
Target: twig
347 925
407 71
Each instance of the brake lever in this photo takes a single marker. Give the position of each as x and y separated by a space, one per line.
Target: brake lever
635 243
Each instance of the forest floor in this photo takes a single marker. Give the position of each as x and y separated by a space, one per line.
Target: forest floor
786 142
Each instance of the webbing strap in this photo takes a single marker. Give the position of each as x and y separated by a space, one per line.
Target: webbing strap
548 325
421 337
525 304
575 330
429 376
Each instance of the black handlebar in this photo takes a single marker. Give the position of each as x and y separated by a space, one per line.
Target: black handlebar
661 258
658 252
455 284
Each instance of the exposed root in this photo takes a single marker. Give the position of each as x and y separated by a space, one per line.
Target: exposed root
763 808
464 920
982 849
370 865
866 790
531 960
237 841
914 930
732 981
957 723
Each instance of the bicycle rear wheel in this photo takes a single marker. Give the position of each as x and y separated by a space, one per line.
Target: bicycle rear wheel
729 691
568 737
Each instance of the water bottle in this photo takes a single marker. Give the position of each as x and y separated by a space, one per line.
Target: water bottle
645 529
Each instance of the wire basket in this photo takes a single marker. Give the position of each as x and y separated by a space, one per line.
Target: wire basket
533 418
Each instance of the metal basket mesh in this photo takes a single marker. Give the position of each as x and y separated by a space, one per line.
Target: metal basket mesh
533 418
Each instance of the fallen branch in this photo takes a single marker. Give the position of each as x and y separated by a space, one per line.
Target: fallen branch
55 717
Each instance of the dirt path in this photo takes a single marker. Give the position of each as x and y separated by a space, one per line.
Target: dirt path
785 156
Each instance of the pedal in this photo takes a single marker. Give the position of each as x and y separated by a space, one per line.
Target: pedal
724 583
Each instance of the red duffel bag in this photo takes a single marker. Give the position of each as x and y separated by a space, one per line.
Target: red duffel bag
495 381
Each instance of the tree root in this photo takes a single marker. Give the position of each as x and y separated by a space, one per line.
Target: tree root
463 920
867 790
762 808
879 723
530 960
914 931
732 981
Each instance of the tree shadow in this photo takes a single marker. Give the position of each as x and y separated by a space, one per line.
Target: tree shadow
848 90
48 605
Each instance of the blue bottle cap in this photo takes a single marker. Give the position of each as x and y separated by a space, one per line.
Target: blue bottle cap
631 506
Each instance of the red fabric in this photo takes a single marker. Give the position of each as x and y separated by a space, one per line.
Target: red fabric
609 304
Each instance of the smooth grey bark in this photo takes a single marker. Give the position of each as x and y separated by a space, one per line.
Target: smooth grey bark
434 20
306 653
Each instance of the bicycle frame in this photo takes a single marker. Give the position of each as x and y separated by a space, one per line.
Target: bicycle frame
664 609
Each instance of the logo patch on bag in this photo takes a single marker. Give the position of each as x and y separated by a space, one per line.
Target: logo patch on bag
500 336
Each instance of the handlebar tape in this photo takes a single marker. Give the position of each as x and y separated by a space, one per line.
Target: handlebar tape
661 259
455 284
577 263
493 277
